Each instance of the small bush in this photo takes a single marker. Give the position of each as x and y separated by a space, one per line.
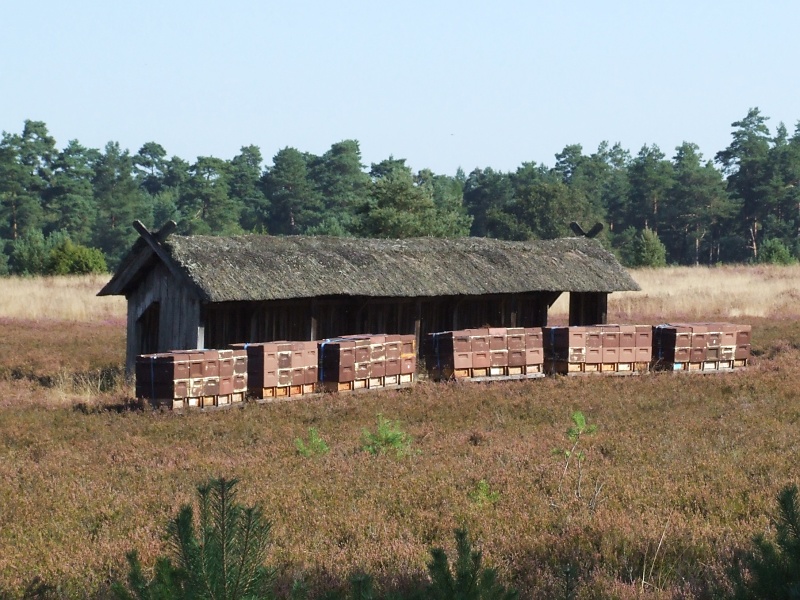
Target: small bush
775 252
315 446
73 259
389 438
483 494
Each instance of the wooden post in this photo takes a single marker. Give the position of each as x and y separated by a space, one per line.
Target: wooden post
314 320
418 324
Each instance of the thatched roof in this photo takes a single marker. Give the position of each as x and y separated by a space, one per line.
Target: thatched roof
257 267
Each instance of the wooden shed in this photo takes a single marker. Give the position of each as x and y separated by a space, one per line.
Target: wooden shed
189 292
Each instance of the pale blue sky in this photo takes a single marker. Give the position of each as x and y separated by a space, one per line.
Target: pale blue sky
442 84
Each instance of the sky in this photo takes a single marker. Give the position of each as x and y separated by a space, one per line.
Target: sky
444 84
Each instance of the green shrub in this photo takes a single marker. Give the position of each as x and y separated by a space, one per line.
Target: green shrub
483 494
56 254
774 252
73 259
315 446
389 438
29 253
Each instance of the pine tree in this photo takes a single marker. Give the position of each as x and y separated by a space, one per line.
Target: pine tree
772 569
467 579
223 558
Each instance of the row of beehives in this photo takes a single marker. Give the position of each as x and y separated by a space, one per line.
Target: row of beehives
268 370
532 352
271 370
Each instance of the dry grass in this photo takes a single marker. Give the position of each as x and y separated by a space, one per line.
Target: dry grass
702 456
727 292
66 298
697 459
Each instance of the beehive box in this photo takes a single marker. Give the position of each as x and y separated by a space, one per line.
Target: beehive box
366 361
280 369
703 347
622 349
191 378
497 352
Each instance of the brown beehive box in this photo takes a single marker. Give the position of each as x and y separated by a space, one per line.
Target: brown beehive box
534 356
497 338
533 338
408 365
479 340
610 337
594 354
728 334
517 358
627 337
392 366
644 336
378 368
743 335
594 337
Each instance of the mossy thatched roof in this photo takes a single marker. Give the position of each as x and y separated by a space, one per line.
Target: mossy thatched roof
258 267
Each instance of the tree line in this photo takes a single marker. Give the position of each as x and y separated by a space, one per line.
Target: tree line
70 209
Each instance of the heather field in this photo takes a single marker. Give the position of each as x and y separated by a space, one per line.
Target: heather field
681 472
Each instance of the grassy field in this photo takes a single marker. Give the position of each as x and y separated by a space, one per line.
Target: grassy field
681 472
